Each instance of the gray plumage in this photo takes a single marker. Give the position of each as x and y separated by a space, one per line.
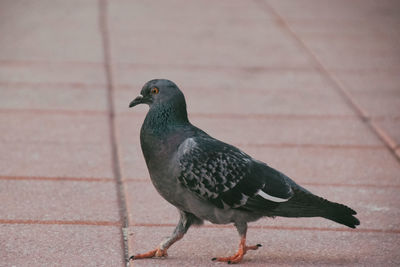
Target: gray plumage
207 179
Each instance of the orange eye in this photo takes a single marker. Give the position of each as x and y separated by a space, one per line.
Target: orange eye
155 90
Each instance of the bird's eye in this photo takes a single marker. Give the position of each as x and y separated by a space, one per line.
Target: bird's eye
155 90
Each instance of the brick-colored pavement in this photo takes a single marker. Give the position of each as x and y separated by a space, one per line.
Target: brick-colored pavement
311 87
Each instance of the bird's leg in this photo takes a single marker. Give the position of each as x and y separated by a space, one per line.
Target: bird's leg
184 223
242 247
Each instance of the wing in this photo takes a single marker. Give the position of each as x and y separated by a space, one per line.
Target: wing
228 177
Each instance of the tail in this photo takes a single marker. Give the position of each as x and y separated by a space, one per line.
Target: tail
341 214
305 204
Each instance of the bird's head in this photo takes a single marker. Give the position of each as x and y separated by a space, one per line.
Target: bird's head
159 91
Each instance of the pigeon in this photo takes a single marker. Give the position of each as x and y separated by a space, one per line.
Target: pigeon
209 180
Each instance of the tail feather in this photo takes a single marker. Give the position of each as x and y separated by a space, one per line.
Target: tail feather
306 204
341 214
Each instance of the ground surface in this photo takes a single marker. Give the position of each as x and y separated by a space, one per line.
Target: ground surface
311 87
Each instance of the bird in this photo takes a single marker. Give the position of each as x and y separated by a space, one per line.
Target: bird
210 180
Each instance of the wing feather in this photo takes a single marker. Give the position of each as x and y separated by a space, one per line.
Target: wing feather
225 175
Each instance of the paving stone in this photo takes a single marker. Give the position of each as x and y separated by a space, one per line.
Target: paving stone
127 12
49 99
28 127
354 17
351 43
343 51
288 130
146 206
268 130
397 152
379 104
381 81
52 99
391 127
339 166
290 102
340 10
281 247
57 74
51 30
340 53
221 79
332 27
240 92
58 200
132 164
56 160
215 44
211 51
60 245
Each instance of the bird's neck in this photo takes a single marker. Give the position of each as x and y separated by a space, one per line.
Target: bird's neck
163 118
162 132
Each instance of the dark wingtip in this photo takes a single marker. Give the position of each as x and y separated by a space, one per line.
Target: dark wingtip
132 257
214 259
259 245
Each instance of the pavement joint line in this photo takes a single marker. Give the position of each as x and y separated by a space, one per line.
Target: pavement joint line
58 179
339 87
312 146
151 66
61 142
328 19
53 111
147 180
140 180
317 65
197 115
352 185
341 35
383 135
397 151
305 145
63 85
268 116
212 67
187 66
253 69
61 222
285 228
211 89
254 116
366 71
267 145
387 117
121 193
49 63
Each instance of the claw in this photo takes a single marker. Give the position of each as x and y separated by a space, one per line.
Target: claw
239 255
151 254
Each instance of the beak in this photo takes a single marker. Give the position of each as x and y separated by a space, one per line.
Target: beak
138 100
